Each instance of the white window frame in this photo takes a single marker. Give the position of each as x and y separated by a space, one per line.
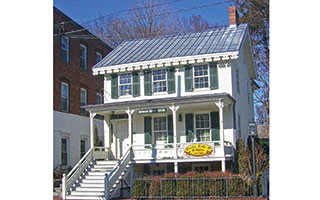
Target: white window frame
86 99
98 55
125 84
67 152
195 126
154 139
65 84
84 58
159 81
202 76
65 49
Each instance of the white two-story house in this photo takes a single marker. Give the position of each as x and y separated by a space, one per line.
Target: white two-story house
178 103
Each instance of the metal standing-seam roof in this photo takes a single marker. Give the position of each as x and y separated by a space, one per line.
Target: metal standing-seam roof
225 39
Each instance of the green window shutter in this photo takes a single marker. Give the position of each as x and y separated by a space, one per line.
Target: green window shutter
114 87
171 80
189 127
215 126
147 130
213 76
147 83
135 84
170 129
188 78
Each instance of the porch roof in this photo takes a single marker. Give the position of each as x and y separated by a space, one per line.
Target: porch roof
153 103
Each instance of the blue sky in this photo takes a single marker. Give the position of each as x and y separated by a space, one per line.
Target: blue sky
85 10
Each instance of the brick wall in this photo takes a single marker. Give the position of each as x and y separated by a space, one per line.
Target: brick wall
71 72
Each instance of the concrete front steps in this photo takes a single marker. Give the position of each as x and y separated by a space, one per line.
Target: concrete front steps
90 184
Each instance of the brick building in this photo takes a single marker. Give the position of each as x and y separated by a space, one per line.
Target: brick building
74 85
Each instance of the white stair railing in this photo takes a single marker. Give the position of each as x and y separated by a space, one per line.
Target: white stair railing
69 179
111 178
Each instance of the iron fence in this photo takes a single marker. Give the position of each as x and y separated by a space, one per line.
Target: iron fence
196 188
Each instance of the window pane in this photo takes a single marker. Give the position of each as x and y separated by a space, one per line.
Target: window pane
125 84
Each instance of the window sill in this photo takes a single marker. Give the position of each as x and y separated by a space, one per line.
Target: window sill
125 97
202 89
159 93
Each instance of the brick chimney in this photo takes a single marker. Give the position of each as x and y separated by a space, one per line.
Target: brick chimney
233 16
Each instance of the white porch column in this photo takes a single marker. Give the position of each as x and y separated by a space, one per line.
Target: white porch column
107 131
176 171
220 104
174 109
130 112
92 129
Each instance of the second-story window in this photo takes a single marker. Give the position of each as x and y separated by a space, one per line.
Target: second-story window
125 84
159 79
201 76
65 49
64 97
83 100
83 57
98 57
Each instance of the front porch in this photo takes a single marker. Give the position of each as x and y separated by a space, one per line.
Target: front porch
160 130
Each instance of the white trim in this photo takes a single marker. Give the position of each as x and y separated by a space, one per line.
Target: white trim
167 62
195 128
86 98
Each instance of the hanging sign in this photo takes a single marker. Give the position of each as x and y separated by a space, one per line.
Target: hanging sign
198 150
155 110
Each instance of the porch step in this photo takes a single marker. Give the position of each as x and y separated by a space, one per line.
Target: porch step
91 189
87 193
91 185
83 197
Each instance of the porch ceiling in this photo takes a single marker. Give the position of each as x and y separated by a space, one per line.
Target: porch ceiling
154 103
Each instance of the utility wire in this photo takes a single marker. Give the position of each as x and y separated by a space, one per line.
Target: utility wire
164 13
121 11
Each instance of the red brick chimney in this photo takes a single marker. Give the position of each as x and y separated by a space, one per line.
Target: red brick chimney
233 16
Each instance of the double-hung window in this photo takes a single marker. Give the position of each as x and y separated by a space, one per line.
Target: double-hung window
83 57
160 129
83 100
64 97
202 127
98 57
64 151
201 76
125 84
159 79
65 49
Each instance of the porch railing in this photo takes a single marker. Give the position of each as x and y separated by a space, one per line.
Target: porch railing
167 150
